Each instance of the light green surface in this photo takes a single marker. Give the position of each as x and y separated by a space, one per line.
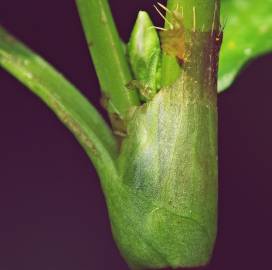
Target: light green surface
247 34
166 213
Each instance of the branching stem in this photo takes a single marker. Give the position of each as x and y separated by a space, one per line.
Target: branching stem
108 56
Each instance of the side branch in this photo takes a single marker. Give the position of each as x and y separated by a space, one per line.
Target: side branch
62 98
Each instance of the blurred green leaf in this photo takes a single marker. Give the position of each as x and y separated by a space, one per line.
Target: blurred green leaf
247 34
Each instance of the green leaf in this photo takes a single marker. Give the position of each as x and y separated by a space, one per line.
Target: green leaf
63 98
247 34
108 55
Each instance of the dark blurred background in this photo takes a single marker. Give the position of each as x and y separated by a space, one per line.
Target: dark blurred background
52 211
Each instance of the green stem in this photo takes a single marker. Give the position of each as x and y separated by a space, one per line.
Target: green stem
202 45
198 87
108 55
170 67
199 16
63 99
166 215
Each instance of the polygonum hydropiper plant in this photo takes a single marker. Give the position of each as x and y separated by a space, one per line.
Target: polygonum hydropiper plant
158 161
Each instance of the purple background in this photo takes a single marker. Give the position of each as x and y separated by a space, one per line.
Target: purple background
53 214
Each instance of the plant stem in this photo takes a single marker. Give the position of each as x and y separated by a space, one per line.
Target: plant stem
198 87
166 215
63 99
108 56
170 67
199 16
202 45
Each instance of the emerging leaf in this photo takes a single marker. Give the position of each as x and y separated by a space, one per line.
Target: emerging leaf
145 56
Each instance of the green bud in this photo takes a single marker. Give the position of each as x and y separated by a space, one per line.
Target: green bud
145 56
